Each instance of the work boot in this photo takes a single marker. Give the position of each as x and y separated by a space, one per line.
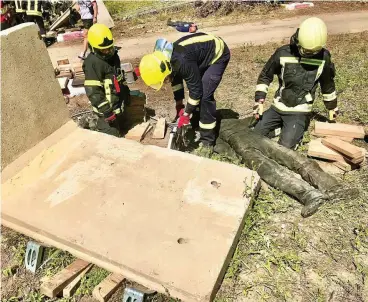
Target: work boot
312 204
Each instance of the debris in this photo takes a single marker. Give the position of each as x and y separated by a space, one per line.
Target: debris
339 129
107 287
345 148
72 286
343 138
317 149
57 283
33 257
345 165
138 132
296 5
159 132
70 36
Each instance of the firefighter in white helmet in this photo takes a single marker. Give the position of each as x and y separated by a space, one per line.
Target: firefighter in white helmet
300 66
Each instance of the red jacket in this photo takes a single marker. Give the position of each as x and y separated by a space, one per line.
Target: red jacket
5 16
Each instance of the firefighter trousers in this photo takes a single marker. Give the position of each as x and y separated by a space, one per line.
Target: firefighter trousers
207 112
292 126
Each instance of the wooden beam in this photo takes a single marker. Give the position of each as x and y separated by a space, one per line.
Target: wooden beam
159 132
73 285
56 284
345 148
338 129
317 149
345 165
137 132
107 287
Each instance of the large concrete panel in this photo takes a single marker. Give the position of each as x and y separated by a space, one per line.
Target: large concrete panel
166 219
32 106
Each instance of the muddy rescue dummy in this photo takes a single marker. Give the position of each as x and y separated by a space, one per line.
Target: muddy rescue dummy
104 80
200 60
300 66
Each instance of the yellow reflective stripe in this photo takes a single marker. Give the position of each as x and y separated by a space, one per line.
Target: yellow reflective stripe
316 62
299 108
262 87
117 111
103 104
206 38
95 110
19 10
177 87
34 13
219 49
92 83
308 98
329 97
193 102
107 84
207 126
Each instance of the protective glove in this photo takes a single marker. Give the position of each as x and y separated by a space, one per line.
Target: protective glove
179 106
184 119
332 114
110 117
258 109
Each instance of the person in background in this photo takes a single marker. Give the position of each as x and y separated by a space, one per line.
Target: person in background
34 14
88 10
20 11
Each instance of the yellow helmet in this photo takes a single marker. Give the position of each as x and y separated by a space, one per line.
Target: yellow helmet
100 36
154 68
312 36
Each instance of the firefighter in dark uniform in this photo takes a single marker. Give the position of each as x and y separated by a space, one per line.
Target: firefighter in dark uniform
34 14
104 80
20 11
299 66
200 60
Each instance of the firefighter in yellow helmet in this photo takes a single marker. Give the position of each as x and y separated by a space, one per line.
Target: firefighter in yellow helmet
104 80
200 60
300 66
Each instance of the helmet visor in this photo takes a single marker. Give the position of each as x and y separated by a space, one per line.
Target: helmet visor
165 47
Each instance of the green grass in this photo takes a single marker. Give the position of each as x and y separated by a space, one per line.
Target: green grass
125 8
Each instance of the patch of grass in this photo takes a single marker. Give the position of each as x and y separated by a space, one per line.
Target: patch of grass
56 261
91 280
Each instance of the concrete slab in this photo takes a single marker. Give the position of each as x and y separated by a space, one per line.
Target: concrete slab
165 219
32 104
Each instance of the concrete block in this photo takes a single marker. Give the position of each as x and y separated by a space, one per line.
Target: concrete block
127 209
32 105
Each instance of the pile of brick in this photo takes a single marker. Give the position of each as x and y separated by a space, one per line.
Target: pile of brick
334 144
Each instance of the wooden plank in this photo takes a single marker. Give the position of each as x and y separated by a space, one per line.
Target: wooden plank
159 132
57 283
73 285
345 165
137 132
64 61
345 148
107 287
317 149
343 138
339 129
63 82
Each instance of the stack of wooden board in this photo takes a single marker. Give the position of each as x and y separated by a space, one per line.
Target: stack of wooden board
79 76
63 69
334 144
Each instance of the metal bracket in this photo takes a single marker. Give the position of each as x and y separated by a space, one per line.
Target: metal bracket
33 257
133 295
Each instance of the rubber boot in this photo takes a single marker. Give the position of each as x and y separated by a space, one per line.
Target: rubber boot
313 200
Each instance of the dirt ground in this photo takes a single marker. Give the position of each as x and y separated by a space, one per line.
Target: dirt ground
280 256
225 15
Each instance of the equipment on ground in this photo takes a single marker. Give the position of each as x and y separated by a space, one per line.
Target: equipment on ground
183 26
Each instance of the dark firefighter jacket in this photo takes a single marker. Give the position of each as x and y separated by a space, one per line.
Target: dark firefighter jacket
298 79
33 7
105 84
192 55
20 6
